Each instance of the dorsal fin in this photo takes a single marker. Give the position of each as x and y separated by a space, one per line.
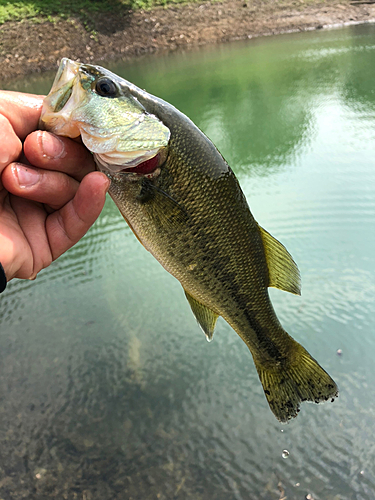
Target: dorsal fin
282 270
205 316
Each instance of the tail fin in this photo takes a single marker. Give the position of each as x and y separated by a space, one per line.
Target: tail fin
287 385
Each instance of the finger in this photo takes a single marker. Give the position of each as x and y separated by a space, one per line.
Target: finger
31 218
22 111
10 146
66 226
51 188
51 152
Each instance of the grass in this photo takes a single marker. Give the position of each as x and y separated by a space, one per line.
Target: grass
51 9
55 9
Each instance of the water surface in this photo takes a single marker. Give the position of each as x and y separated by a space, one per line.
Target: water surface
108 388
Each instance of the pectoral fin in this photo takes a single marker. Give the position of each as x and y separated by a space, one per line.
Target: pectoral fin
205 316
283 271
164 210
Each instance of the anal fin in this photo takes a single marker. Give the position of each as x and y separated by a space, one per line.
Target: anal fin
205 316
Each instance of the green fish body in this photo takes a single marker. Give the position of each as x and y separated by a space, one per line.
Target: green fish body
186 207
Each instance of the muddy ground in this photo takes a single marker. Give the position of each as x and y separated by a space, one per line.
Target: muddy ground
27 47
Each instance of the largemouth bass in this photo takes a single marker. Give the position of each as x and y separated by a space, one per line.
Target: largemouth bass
184 204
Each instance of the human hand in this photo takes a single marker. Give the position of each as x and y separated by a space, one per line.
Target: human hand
50 194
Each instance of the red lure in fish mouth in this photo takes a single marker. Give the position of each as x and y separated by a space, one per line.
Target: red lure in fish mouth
147 167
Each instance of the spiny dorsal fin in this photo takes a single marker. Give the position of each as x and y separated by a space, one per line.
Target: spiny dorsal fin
205 317
283 271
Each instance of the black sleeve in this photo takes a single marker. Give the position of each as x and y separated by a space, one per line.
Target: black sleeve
3 279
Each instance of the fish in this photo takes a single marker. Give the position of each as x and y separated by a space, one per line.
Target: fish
186 207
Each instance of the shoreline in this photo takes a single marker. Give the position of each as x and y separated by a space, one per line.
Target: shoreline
28 47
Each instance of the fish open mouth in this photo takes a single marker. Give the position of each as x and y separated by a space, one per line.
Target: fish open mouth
64 98
62 87
61 100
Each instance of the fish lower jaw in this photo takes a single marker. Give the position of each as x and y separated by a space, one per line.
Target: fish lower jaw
59 125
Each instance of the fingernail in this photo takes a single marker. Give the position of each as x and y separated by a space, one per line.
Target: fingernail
26 176
52 146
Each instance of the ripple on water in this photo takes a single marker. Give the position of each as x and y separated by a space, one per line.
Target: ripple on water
108 388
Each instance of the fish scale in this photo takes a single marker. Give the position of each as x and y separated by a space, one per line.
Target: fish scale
192 215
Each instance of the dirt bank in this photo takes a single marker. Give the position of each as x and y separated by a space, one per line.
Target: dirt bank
27 47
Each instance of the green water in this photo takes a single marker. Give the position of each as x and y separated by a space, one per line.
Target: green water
108 388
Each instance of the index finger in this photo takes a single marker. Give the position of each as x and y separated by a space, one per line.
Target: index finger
19 115
21 110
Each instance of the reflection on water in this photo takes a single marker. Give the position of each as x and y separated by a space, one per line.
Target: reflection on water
108 388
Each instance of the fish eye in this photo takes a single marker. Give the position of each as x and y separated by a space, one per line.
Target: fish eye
106 87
